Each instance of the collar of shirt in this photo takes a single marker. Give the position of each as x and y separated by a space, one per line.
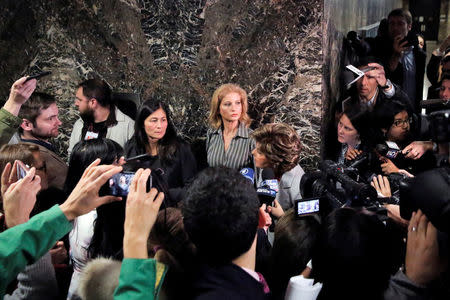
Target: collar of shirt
371 102
42 143
241 132
251 273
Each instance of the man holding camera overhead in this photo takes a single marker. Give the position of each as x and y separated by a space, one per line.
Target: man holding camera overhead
404 61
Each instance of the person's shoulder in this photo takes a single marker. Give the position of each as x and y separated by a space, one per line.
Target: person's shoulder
121 117
78 122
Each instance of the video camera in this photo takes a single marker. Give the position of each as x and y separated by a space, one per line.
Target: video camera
337 186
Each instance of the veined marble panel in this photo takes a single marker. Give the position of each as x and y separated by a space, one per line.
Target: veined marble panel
179 50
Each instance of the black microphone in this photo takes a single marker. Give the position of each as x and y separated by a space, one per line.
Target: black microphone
268 187
388 152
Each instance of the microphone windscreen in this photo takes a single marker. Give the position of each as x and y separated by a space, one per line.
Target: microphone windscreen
248 173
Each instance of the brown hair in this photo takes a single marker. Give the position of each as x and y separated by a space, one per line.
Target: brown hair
214 119
281 145
32 108
10 153
174 249
400 12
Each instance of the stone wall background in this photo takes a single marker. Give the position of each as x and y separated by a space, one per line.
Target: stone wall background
180 50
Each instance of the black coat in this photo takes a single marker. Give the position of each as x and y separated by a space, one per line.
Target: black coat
382 49
226 282
176 173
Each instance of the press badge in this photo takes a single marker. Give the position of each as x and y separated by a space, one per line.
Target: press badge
90 135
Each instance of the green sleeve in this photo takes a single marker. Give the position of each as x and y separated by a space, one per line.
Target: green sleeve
140 279
9 124
24 244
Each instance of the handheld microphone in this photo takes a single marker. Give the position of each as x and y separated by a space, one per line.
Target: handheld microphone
389 152
248 173
268 179
266 195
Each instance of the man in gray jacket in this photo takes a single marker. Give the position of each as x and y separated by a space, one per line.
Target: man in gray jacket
99 117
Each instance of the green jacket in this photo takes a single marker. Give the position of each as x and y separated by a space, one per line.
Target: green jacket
9 124
24 244
140 279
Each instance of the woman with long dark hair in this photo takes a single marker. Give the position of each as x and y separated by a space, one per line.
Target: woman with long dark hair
90 227
166 153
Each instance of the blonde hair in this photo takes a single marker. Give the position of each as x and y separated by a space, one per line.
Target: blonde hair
214 119
280 143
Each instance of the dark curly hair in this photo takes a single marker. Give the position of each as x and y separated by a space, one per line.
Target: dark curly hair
281 145
221 215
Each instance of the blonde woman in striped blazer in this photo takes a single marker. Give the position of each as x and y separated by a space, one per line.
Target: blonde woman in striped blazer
228 141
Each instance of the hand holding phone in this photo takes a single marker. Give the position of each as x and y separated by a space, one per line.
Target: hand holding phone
119 184
39 75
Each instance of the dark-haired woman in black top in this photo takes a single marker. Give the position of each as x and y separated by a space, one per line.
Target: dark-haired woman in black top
167 154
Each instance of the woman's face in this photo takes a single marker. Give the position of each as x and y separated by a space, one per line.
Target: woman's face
155 125
400 128
347 134
230 108
261 160
421 42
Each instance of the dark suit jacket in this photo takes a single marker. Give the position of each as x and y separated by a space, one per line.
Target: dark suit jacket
382 50
226 282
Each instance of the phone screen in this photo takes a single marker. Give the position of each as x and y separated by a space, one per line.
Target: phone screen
119 184
306 207
22 169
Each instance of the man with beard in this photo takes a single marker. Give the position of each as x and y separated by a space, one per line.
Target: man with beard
40 122
99 116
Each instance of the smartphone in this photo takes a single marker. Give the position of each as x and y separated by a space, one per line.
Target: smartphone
22 169
411 39
119 184
307 207
39 75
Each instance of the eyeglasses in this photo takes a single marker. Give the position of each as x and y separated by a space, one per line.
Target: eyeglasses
399 123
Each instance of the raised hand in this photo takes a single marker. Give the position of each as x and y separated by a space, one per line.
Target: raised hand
19 196
140 215
84 196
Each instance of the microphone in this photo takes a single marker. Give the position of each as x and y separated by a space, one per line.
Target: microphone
268 179
248 173
268 188
266 195
389 152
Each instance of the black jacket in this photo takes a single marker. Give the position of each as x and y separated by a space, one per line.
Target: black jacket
176 173
382 50
226 282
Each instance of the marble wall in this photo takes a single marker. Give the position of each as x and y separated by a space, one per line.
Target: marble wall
177 49
341 16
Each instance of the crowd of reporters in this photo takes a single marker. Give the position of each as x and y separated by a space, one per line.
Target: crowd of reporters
136 214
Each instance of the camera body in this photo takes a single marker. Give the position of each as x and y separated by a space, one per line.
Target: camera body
334 185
